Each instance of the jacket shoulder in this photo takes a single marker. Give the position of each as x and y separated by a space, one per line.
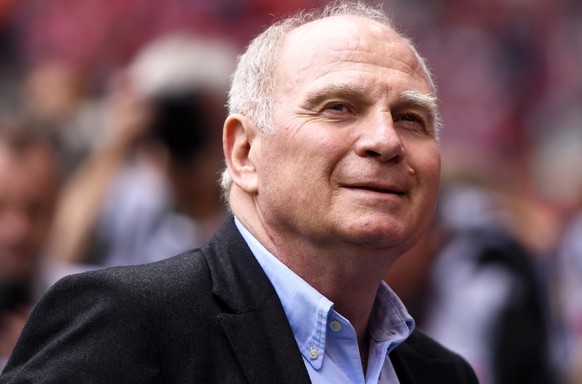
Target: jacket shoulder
113 318
143 285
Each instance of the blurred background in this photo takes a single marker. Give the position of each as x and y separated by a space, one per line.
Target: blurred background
110 122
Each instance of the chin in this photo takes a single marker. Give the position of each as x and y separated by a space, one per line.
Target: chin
384 236
385 243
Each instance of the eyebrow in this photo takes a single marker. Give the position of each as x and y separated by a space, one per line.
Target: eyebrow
315 98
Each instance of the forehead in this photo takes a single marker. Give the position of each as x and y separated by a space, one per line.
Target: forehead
347 44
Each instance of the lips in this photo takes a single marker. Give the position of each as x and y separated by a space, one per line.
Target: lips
380 188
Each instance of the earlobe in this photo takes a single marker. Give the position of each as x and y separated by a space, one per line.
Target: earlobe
237 140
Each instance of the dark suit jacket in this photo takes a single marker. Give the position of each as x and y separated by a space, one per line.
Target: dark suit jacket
209 315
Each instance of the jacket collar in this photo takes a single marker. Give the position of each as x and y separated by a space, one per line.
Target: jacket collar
254 320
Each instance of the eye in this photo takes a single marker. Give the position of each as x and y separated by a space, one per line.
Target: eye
410 118
337 108
410 121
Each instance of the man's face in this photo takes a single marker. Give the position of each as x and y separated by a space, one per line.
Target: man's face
353 158
27 192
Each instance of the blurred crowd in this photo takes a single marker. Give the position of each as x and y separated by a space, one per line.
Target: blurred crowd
110 146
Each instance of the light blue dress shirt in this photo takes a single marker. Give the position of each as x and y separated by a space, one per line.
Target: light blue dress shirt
326 339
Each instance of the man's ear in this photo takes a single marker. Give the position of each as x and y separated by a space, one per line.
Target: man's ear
237 139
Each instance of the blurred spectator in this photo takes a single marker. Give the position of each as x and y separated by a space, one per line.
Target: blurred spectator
29 181
150 190
56 96
557 172
570 275
556 135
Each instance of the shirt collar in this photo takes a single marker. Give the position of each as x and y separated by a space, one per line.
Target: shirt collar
389 321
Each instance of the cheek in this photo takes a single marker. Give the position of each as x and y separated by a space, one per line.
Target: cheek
427 166
302 158
429 197
434 173
427 161
293 182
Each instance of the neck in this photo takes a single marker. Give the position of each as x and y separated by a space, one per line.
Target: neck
347 274
353 291
352 287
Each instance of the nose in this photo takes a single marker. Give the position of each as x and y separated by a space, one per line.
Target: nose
379 139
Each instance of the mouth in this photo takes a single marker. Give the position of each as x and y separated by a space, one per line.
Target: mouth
378 189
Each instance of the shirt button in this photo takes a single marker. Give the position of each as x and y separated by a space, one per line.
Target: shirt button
335 326
313 354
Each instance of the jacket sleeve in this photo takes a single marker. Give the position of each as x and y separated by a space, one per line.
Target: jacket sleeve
88 328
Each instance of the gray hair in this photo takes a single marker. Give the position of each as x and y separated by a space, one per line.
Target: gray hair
253 87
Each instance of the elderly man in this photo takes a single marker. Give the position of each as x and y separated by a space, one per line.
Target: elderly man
332 173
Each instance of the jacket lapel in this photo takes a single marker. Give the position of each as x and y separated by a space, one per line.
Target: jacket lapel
413 367
266 352
256 325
